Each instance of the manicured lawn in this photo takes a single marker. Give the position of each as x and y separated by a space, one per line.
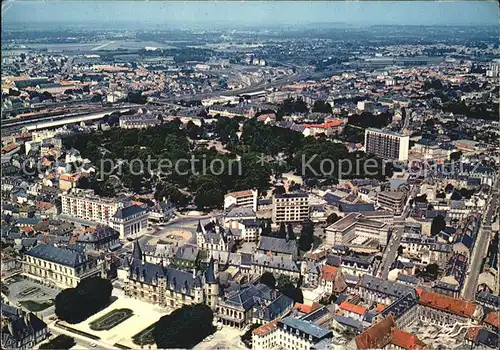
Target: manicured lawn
144 337
111 319
35 306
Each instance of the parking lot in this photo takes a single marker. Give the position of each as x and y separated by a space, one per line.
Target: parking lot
24 289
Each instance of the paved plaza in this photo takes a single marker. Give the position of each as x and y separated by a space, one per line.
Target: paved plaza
25 289
225 339
144 314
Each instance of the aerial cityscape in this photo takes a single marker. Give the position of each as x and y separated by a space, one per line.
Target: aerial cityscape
250 175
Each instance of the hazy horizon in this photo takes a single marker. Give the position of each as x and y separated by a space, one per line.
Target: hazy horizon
251 13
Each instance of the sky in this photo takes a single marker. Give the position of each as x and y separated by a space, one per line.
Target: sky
253 12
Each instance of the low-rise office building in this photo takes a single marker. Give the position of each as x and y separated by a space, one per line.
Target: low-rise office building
392 201
357 230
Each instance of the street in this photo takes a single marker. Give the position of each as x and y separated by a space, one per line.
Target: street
480 250
263 85
81 341
180 222
391 249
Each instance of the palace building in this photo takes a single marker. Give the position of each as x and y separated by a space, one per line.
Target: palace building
168 286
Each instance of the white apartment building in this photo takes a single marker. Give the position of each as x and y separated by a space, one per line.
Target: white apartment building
290 207
246 198
84 204
290 333
356 229
393 201
130 221
387 144
247 230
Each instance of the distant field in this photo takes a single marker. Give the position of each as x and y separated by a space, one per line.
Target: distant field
100 45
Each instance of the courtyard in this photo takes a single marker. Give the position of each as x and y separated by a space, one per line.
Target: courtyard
172 237
120 321
31 294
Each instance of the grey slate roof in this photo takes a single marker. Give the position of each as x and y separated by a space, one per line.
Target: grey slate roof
248 297
400 306
408 279
283 263
187 252
487 338
349 323
278 245
488 298
178 280
386 287
356 208
21 325
63 256
306 327
276 309
333 260
124 213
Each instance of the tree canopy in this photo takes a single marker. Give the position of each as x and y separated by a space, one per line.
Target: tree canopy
184 327
91 295
290 234
306 235
287 287
332 218
62 341
268 279
438 224
322 107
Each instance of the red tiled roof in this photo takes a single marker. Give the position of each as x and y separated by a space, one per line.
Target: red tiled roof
446 303
358 309
69 177
331 124
406 340
306 308
380 307
493 319
472 333
23 135
377 336
44 205
328 273
265 328
265 116
9 148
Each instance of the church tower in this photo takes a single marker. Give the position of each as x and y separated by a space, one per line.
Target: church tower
211 285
